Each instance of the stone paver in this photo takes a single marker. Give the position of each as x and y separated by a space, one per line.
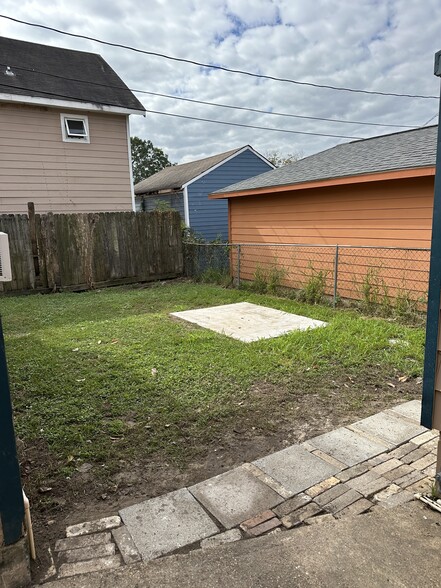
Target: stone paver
409 479
93 526
264 527
85 553
322 486
92 565
424 462
296 468
358 507
397 499
386 466
166 523
410 410
352 472
426 437
292 504
331 494
347 446
126 545
227 537
343 501
387 493
300 515
253 469
397 473
389 427
248 322
403 450
82 541
235 496
415 455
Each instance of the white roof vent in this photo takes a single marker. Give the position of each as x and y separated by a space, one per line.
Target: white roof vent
5 259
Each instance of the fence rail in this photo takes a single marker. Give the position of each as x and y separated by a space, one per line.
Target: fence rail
373 274
81 251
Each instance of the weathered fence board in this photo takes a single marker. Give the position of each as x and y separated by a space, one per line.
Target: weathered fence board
77 251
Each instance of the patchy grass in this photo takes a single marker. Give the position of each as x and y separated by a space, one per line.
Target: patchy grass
106 376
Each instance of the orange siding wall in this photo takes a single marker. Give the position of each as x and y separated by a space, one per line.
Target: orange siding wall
395 213
36 165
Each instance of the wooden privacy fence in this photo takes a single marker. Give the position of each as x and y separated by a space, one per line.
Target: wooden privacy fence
81 251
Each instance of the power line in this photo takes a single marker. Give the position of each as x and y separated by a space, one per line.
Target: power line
430 120
217 67
217 104
220 122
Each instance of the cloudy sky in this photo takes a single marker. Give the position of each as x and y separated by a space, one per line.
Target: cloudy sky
375 45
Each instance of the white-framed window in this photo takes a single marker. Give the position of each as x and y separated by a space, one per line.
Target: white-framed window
75 128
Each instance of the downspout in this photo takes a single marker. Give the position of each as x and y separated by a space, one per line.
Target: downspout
186 208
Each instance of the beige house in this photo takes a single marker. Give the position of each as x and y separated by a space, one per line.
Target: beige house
64 131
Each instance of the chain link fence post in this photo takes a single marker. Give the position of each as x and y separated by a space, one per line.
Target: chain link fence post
334 302
238 266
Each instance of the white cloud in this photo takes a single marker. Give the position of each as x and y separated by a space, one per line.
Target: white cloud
385 45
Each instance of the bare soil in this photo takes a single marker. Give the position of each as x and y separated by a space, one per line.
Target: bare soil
277 416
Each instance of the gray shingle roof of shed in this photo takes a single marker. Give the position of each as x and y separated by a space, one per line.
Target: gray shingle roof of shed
31 61
398 151
173 178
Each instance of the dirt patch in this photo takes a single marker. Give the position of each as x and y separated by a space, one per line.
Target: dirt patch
273 417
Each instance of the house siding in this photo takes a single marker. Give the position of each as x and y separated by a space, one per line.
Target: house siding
209 218
396 213
393 214
175 201
36 165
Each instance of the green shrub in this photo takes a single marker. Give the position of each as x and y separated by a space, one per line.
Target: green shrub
315 288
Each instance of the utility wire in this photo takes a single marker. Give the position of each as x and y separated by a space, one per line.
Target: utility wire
194 101
211 66
430 120
220 122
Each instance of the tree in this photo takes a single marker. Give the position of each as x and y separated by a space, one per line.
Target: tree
279 159
146 159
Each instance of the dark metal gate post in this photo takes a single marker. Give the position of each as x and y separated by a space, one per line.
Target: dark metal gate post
11 497
238 266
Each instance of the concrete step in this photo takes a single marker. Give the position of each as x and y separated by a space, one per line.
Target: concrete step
399 547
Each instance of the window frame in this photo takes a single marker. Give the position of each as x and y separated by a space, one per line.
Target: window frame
64 129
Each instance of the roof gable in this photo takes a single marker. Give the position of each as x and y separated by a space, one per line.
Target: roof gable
177 176
397 151
51 73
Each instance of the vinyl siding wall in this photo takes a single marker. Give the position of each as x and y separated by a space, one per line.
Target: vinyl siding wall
36 165
175 201
209 218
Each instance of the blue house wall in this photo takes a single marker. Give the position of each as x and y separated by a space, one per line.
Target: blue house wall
209 218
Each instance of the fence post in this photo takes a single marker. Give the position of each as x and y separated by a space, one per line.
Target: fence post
334 302
238 266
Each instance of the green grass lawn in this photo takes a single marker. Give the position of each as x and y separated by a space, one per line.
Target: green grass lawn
107 375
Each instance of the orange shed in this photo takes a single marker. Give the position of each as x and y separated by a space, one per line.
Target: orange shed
372 198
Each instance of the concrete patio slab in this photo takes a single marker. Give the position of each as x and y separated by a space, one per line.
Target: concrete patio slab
235 496
389 427
248 322
411 410
296 468
166 523
347 446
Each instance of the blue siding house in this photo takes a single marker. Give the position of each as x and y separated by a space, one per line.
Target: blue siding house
186 188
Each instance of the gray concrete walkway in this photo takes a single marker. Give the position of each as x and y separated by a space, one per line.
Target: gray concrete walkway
375 464
397 548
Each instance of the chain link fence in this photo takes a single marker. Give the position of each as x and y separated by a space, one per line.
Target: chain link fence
371 274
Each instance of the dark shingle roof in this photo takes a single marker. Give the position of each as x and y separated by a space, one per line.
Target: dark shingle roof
398 151
173 178
31 61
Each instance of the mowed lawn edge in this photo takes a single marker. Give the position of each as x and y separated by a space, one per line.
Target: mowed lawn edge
108 375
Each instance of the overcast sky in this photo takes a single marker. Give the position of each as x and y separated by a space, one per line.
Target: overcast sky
381 45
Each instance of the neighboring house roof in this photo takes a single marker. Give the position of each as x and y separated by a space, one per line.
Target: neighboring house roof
55 74
177 176
398 151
